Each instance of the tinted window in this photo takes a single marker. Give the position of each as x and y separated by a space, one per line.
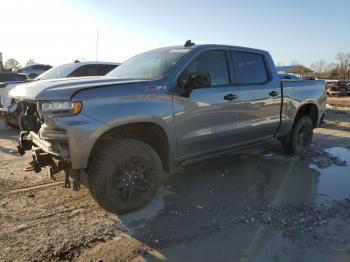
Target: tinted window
249 67
11 77
212 62
85 70
19 77
60 71
104 69
5 77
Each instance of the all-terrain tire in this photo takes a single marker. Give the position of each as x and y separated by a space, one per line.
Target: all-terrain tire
125 175
301 136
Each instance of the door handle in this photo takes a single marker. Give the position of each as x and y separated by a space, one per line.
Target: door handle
273 93
230 97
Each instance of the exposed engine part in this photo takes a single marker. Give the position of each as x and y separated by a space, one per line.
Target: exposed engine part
40 159
24 144
55 165
30 117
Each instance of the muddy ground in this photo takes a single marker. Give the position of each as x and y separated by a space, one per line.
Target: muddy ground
254 205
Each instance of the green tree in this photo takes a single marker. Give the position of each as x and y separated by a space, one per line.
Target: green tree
11 63
30 62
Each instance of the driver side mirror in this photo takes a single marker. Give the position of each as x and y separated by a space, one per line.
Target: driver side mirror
198 80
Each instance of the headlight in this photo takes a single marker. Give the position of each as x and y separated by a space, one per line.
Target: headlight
60 107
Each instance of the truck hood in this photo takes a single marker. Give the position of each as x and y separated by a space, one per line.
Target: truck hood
64 88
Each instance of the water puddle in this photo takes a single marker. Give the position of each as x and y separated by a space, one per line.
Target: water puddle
334 181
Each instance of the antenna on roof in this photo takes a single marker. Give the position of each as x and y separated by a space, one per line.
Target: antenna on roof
189 43
96 44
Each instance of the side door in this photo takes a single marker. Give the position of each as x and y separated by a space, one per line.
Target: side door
259 95
205 116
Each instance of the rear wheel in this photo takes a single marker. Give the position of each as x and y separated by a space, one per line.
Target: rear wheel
125 175
301 136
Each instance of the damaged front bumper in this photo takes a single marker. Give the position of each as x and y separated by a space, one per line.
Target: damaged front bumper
54 155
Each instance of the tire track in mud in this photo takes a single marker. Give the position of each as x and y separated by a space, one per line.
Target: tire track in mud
35 187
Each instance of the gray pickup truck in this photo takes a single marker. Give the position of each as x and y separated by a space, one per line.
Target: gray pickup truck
121 134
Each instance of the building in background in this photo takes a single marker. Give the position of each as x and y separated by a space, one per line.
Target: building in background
297 70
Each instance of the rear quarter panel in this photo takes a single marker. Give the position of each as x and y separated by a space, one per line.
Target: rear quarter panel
297 94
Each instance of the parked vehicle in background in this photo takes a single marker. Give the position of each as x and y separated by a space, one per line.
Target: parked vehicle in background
159 109
13 112
78 69
32 71
329 84
339 88
7 82
288 77
309 78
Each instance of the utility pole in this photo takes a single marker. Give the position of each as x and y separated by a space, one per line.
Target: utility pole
1 63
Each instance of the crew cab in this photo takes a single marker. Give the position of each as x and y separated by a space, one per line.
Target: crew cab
122 134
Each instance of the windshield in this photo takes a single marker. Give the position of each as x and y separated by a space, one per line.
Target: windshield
56 72
150 65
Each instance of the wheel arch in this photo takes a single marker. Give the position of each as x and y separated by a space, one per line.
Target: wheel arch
150 133
310 109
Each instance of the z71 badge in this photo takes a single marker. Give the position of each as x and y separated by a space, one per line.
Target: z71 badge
155 88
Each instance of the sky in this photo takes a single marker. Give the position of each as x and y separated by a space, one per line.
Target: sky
60 31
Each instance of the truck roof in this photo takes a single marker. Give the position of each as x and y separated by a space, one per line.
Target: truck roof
203 46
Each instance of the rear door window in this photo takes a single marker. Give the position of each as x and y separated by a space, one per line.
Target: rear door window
250 68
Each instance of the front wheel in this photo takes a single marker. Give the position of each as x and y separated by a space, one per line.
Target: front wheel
301 136
125 175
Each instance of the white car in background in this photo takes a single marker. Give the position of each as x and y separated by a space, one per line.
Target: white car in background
78 69
12 112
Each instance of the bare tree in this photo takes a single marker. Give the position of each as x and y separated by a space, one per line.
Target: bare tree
319 67
294 62
30 62
11 64
331 67
343 65
280 64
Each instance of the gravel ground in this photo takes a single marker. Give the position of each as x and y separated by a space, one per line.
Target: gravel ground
254 205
